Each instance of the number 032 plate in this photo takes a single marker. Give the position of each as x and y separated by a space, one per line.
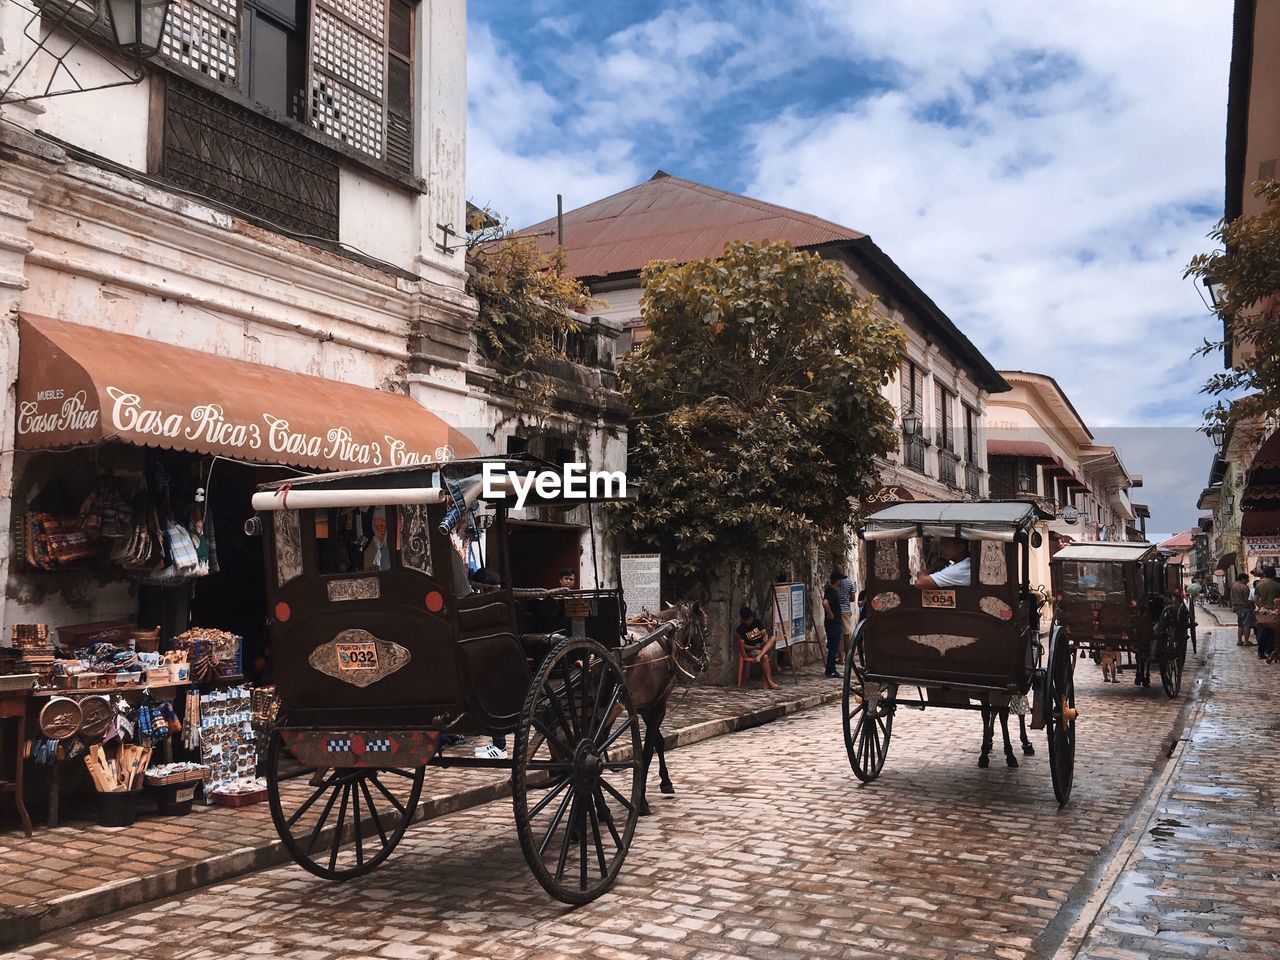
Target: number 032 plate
358 657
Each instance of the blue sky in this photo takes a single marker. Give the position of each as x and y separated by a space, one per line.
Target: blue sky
1044 172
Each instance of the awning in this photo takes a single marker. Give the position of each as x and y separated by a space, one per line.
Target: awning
1226 560
1259 523
78 385
1032 449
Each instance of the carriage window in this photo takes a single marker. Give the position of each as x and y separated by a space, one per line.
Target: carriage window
354 539
885 553
288 546
415 542
992 571
1082 577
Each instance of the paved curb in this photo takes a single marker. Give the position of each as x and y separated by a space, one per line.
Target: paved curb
1135 826
84 905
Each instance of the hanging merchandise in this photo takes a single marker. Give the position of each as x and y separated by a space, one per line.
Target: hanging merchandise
228 746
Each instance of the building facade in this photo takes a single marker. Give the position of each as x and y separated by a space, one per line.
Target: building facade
1039 446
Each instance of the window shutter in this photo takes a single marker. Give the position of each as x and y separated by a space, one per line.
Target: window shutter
939 415
348 72
205 36
400 85
904 384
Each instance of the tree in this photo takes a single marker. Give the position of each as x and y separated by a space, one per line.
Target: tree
757 410
526 304
1248 267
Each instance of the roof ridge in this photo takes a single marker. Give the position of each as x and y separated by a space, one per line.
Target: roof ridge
762 205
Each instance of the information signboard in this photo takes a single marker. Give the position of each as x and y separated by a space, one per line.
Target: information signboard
789 613
642 582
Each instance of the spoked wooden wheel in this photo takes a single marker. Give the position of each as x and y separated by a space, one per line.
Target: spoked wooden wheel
1169 646
577 833
1060 715
338 822
868 715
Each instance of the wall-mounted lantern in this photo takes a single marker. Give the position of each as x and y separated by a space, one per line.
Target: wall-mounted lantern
138 26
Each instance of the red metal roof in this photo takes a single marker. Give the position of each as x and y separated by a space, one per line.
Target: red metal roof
1181 541
669 218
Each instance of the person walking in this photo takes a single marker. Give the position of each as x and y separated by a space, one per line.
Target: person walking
844 587
1242 604
1265 592
832 621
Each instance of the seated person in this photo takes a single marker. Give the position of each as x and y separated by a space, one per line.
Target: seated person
958 574
754 644
484 580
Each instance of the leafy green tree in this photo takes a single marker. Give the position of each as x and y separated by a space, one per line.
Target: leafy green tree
1248 266
526 302
757 410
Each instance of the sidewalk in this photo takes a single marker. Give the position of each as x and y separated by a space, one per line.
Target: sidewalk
80 871
1202 877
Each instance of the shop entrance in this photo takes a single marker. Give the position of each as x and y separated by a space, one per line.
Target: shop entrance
540 551
235 598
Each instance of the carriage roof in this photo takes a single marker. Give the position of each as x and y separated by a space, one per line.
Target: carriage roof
970 520
1106 552
418 483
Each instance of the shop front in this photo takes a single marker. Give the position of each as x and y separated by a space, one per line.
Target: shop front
134 613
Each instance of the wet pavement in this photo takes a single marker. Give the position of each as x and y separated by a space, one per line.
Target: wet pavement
770 849
1204 878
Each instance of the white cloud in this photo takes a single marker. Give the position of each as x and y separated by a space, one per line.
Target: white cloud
1034 173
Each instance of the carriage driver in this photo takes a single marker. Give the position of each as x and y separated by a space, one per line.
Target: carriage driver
957 574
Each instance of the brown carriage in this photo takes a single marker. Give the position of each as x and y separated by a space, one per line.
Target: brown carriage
384 640
1124 597
975 647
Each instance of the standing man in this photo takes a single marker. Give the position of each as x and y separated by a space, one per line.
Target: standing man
1265 592
1242 604
844 587
832 621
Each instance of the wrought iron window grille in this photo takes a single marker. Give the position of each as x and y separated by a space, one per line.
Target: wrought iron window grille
67 24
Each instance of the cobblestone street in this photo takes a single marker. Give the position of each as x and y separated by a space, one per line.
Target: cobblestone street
771 849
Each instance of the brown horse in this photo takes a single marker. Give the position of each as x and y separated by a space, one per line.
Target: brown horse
660 647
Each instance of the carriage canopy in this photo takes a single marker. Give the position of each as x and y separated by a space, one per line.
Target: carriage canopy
1104 552
967 520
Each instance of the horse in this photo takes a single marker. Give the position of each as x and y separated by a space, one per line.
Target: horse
659 647
989 714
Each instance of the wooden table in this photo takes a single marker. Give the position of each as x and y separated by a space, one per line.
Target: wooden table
13 708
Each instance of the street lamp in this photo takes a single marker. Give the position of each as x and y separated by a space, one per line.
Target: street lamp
1025 484
1216 290
1229 501
138 25
911 424
1218 434
1070 514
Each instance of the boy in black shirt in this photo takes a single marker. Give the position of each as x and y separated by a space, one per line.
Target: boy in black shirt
754 644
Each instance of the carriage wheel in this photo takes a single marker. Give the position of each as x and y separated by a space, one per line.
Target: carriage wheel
577 834
339 822
868 716
1060 716
1168 647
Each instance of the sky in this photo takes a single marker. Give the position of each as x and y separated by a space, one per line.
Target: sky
1043 171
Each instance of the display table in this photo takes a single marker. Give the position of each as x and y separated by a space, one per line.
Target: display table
13 712
161 691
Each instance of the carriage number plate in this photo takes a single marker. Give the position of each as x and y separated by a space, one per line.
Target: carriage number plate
357 656
938 598
1096 596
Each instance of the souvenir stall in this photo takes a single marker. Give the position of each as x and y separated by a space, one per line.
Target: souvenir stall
135 666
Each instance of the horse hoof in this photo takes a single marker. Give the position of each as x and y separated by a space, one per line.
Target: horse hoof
1011 760
983 762
644 809
1029 750
667 788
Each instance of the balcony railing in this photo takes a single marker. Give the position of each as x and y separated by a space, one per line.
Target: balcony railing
947 468
972 479
913 453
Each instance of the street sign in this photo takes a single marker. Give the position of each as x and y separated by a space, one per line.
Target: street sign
642 582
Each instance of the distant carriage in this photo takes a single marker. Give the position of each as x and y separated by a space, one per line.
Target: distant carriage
377 657
1125 597
976 647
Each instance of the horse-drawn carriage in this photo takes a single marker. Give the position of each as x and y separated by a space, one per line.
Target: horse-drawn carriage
1125 599
972 641
385 638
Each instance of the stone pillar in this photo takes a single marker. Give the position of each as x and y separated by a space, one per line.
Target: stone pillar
28 162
